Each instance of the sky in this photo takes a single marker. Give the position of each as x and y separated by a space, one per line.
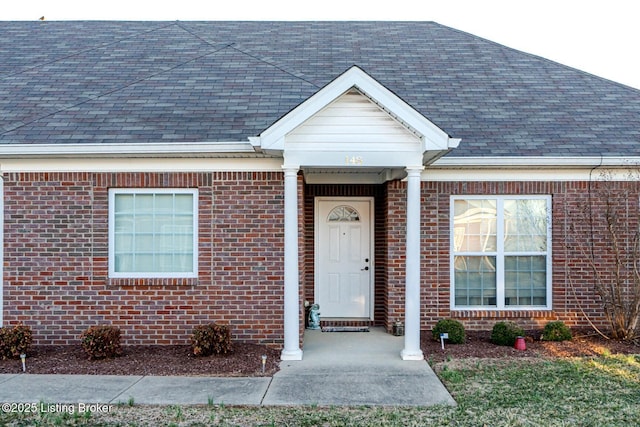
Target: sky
599 37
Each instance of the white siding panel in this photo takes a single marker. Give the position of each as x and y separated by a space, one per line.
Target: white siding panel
352 119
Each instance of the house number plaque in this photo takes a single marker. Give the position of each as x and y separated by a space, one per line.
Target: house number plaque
353 160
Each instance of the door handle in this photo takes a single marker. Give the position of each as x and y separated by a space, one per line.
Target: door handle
365 269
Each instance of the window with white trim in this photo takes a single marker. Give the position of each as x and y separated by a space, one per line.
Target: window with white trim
153 233
501 252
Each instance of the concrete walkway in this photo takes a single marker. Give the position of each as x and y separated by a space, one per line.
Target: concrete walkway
339 368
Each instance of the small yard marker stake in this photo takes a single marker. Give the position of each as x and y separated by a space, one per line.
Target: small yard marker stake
264 362
23 358
443 336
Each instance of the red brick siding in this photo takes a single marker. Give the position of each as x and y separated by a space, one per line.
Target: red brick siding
56 259
571 274
56 255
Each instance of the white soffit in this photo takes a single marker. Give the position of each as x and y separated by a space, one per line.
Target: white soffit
433 138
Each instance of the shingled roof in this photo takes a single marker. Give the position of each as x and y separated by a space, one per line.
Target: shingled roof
110 82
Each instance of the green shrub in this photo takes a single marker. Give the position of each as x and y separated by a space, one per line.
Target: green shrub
454 328
14 341
211 339
505 333
101 342
556 331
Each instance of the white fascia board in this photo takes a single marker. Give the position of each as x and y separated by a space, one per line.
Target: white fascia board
141 164
533 169
164 149
541 162
273 137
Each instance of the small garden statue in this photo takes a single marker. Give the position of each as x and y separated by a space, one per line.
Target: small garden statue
314 317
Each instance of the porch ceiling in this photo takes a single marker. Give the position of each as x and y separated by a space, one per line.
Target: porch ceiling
351 175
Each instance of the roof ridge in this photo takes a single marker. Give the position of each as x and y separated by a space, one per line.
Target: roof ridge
237 47
81 51
112 91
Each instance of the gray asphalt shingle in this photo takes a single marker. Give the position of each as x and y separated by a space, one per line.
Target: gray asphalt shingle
96 82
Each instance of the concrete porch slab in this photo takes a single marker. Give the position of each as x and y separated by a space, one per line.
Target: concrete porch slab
355 368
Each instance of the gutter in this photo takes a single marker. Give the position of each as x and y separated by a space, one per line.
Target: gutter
536 162
163 149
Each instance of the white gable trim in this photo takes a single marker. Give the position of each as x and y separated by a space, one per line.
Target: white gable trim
433 138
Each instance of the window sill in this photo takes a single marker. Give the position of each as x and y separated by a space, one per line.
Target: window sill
165 281
494 313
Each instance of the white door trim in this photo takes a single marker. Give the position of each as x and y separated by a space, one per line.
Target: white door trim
316 219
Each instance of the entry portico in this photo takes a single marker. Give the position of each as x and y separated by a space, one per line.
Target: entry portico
354 130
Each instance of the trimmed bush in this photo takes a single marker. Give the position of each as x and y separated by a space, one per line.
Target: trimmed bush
454 328
556 331
14 341
101 342
211 339
505 333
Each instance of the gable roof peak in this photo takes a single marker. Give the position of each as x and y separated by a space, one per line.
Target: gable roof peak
272 138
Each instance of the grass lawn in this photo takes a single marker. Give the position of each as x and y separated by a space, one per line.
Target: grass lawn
602 391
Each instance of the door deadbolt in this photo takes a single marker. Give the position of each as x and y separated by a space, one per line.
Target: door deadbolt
365 269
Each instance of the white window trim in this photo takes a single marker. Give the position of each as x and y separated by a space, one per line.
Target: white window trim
500 254
151 275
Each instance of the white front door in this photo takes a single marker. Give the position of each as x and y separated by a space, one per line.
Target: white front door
344 262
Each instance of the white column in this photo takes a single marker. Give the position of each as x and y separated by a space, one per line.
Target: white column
291 349
412 349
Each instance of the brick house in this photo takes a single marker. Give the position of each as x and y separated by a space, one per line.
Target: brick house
160 175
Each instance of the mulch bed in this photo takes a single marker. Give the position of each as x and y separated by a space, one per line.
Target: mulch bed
246 359
585 343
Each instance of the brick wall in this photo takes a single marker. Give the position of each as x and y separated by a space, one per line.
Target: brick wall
56 259
573 283
56 255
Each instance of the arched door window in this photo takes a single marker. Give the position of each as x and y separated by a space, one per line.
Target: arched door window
343 213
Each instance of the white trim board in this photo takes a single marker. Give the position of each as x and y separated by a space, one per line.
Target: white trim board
142 165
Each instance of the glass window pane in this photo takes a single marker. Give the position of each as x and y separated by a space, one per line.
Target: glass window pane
153 233
474 225
183 223
525 225
475 280
163 223
124 223
523 231
343 214
124 243
163 204
144 243
123 203
143 263
143 223
183 204
124 262
144 203
525 280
